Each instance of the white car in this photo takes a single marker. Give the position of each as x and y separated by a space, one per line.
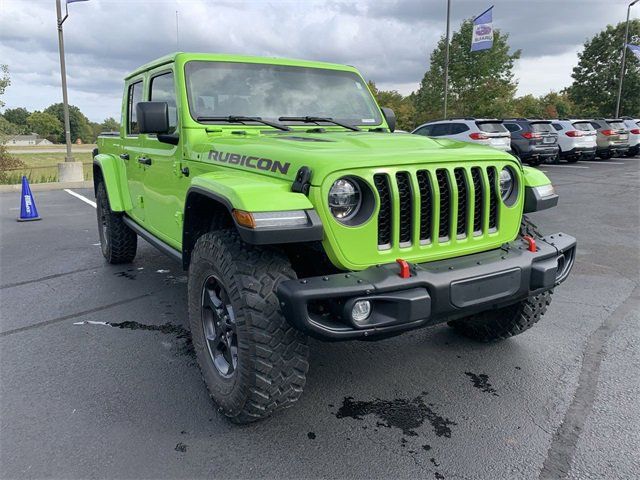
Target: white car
576 139
633 124
483 131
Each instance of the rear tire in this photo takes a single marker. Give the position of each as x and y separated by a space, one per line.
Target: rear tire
502 323
251 359
118 242
605 155
572 160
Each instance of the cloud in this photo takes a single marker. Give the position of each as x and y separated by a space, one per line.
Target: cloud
388 40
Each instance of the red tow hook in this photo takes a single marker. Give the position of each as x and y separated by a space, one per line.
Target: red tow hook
532 243
405 272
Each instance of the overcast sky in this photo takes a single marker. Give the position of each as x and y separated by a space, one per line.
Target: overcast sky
388 40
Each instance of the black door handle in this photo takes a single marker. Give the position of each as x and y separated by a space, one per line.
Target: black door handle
144 160
124 156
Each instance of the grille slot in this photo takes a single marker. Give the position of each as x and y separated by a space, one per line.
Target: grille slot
426 205
384 215
463 201
493 199
474 192
406 210
445 203
478 206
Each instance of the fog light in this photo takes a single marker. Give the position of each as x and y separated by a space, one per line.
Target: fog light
361 310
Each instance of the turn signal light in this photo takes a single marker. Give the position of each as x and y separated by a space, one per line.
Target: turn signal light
244 218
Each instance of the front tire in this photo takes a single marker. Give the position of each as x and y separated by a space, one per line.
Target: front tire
502 323
252 361
118 242
506 322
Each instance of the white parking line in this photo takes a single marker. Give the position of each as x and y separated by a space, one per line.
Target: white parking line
562 166
605 162
83 198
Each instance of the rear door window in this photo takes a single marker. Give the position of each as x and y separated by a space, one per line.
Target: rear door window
456 128
557 126
491 127
595 125
541 127
135 96
512 127
440 129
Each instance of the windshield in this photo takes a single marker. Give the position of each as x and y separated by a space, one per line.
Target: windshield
617 125
491 127
274 91
585 126
542 128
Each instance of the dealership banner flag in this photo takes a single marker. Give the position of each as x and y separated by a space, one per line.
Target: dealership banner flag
483 31
635 49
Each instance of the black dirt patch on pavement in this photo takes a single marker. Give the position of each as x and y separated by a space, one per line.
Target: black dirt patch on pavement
181 447
129 274
311 435
406 415
481 382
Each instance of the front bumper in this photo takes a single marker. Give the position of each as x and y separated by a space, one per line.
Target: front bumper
434 293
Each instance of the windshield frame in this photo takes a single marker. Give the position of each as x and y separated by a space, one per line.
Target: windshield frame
379 120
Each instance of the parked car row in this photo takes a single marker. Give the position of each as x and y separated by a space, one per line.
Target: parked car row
537 140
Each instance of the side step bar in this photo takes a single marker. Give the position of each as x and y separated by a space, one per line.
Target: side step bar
159 244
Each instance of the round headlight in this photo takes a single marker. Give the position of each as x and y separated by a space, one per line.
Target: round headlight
506 183
344 198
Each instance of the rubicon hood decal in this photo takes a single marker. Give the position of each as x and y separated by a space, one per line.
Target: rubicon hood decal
259 163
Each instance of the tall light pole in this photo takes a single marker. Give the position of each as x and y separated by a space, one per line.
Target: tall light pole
624 57
446 59
70 170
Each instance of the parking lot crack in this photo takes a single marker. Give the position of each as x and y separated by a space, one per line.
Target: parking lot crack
74 315
563 446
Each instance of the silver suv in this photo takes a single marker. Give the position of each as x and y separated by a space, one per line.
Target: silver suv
483 131
576 139
633 125
612 137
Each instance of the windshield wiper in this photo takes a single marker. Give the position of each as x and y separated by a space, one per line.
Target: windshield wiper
319 119
242 119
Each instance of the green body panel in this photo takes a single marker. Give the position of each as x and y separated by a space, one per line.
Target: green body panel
246 192
253 167
115 179
534 177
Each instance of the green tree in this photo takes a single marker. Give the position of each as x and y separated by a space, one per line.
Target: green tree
110 125
17 116
45 125
78 123
595 78
5 81
480 83
401 106
527 106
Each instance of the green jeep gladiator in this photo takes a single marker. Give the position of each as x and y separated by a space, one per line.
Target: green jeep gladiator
282 189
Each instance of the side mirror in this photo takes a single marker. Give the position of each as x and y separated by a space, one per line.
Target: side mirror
153 117
390 117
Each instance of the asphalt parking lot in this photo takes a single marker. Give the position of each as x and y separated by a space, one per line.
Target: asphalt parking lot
83 398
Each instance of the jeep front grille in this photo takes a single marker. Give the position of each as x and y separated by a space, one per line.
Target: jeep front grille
436 205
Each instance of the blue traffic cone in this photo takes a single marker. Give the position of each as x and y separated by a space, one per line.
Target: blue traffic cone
28 210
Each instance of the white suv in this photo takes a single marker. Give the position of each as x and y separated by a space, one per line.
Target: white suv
576 139
483 131
633 124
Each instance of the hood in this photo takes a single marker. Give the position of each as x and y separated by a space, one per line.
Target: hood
282 154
